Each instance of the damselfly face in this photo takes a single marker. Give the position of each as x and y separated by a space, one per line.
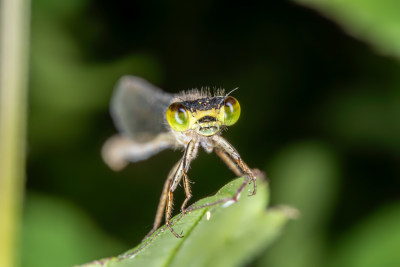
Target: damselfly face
204 115
150 120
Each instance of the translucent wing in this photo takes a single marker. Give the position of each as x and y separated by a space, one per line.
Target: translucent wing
138 108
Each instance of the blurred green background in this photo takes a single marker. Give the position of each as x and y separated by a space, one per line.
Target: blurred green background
320 95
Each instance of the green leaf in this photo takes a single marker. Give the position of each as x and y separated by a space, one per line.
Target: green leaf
377 22
226 234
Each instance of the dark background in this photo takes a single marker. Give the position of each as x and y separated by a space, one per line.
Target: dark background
314 101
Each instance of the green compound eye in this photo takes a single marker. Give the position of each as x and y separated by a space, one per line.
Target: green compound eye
231 111
178 117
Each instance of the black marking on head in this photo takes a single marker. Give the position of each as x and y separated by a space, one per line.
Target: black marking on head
207 119
204 103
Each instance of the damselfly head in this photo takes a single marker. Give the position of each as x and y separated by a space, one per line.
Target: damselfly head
204 115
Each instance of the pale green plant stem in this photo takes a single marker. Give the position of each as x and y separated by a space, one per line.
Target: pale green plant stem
14 40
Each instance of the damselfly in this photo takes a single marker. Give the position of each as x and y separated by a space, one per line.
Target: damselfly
150 120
